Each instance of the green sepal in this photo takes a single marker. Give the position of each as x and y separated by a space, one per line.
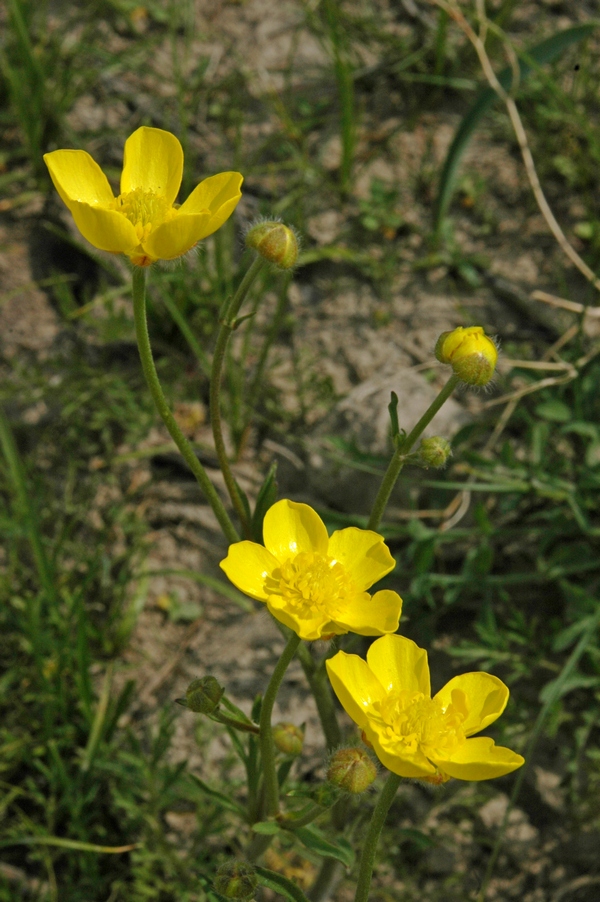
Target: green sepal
256 709
266 498
280 885
313 839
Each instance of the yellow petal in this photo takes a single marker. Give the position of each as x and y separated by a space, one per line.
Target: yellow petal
308 629
247 565
479 759
416 765
372 616
77 177
482 695
398 663
176 237
290 528
105 229
365 556
153 161
355 685
214 194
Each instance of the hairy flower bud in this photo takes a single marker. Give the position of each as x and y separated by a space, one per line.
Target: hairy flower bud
203 695
288 738
352 770
236 880
434 451
470 352
275 242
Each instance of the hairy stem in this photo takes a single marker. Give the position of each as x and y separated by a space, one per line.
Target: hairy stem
153 382
228 324
397 462
367 859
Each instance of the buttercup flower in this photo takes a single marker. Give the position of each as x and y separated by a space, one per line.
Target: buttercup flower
388 696
314 584
470 352
143 222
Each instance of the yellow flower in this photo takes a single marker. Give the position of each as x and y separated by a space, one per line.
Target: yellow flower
414 735
470 352
143 222
314 584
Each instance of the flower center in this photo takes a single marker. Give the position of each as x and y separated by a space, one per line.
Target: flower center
145 210
418 722
312 583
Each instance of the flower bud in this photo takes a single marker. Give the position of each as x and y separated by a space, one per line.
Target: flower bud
352 770
275 242
203 695
470 352
236 880
288 738
434 451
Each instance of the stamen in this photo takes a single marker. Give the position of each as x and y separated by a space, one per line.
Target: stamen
144 209
312 583
418 722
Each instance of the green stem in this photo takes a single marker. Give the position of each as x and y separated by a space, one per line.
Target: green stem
397 462
321 690
367 859
149 369
228 324
267 748
254 392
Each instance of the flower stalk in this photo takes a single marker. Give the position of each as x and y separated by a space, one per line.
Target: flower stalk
153 382
403 449
367 859
228 324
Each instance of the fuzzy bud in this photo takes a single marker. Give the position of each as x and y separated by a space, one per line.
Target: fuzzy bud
236 880
203 695
288 738
470 352
352 770
275 242
434 451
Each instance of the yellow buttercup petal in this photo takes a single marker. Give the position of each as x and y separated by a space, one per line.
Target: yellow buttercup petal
482 696
372 616
290 528
308 628
355 685
105 229
399 664
77 177
479 759
176 237
413 766
215 193
152 161
364 554
248 565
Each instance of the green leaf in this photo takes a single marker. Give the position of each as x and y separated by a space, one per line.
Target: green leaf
556 411
545 52
219 797
314 840
280 884
267 497
244 498
266 828
575 681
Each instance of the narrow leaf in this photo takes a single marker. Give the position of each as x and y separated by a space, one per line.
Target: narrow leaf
545 52
280 884
314 840
223 800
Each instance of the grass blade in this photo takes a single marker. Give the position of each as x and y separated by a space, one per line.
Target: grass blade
545 52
